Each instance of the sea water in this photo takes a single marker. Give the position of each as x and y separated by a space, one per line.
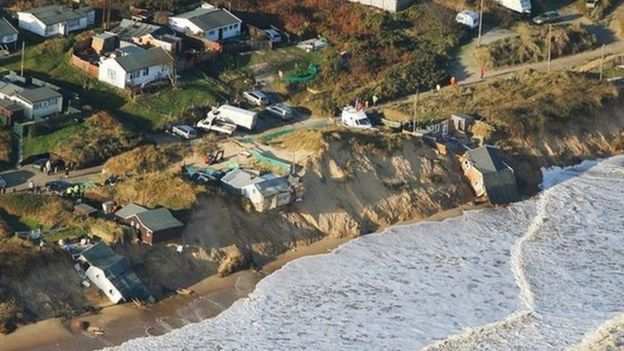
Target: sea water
543 274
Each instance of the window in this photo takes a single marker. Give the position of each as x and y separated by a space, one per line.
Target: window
112 75
146 71
212 32
135 74
73 23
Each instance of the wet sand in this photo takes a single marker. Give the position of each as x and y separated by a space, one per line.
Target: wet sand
210 297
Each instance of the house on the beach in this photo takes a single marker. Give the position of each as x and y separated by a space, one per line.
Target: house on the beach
265 192
8 35
136 67
489 176
111 273
154 226
52 20
209 22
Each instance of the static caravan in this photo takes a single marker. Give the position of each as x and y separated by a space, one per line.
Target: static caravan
521 6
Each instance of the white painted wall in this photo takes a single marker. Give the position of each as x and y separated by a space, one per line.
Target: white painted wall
112 73
40 109
30 23
98 278
182 25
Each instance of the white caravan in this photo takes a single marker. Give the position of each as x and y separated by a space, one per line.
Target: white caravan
352 117
522 6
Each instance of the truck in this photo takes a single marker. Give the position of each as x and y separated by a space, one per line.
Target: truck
354 118
235 115
521 6
212 123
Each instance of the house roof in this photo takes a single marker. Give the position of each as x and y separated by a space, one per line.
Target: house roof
158 219
53 14
239 178
6 28
273 186
9 89
117 271
10 105
209 19
34 95
130 210
133 29
487 159
148 58
101 256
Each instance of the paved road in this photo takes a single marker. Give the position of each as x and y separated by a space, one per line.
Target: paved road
18 179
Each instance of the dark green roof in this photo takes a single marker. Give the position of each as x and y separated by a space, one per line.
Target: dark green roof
148 58
101 256
53 14
129 210
209 19
38 94
6 28
158 219
487 159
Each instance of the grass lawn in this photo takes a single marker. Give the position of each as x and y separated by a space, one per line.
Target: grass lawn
65 233
44 143
50 61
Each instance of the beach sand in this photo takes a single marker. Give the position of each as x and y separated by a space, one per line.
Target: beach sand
210 297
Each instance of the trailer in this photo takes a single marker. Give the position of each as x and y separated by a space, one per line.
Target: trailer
521 6
234 115
212 123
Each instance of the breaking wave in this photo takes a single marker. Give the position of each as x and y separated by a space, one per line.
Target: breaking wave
544 274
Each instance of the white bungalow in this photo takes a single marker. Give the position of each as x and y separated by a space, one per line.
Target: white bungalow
136 68
52 20
212 23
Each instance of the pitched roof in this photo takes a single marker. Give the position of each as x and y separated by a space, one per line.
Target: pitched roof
6 28
487 159
148 58
209 19
130 210
133 29
38 94
158 219
101 256
53 14
10 105
9 89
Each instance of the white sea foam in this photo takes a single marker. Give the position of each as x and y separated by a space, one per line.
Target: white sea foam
544 274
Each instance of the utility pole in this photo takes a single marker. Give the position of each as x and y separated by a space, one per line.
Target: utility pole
602 57
415 110
480 23
549 46
23 54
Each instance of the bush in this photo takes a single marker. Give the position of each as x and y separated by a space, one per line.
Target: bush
140 160
104 137
531 45
166 189
49 211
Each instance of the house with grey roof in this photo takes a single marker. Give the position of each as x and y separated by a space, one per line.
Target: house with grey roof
209 22
111 273
265 192
35 101
53 20
154 226
8 35
137 68
147 34
490 177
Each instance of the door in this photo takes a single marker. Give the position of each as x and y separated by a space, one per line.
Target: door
220 33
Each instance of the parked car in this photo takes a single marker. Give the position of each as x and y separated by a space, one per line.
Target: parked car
273 35
184 131
468 18
256 97
58 187
3 182
280 110
547 17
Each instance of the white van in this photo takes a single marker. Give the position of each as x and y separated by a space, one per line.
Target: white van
354 118
468 18
184 131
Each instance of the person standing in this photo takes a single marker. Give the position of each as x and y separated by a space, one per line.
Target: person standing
48 167
375 99
31 186
481 71
453 81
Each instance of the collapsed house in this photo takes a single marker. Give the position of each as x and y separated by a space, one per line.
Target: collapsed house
265 192
489 176
111 273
